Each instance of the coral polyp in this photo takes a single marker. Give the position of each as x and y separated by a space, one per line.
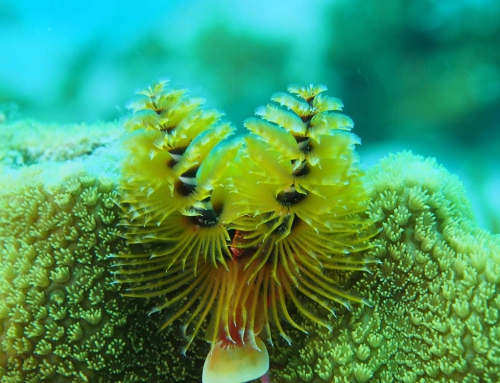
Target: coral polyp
250 231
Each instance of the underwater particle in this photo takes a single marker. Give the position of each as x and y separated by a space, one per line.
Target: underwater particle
247 231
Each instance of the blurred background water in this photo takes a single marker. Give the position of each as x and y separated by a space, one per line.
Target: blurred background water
414 74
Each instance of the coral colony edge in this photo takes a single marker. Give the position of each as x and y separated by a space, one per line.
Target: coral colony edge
268 255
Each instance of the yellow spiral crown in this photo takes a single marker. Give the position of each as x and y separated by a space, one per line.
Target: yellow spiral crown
247 227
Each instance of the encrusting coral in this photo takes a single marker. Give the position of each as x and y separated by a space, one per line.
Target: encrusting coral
231 211
28 142
435 302
62 319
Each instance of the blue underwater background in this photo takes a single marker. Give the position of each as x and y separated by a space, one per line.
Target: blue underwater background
415 74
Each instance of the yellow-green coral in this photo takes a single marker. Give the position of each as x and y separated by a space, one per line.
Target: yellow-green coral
27 142
62 319
435 294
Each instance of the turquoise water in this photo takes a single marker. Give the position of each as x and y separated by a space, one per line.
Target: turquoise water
419 75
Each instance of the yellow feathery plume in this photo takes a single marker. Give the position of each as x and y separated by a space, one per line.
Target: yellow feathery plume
242 230
299 205
165 154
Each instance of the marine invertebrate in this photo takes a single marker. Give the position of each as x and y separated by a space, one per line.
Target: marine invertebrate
61 317
435 301
435 295
246 241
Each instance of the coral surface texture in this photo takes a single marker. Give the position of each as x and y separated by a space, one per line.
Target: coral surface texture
434 295
124 243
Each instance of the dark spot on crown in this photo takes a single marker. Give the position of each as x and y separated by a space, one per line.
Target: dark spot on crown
290 198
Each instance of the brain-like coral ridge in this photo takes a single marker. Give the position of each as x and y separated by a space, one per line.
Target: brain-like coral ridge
62 319
434 296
